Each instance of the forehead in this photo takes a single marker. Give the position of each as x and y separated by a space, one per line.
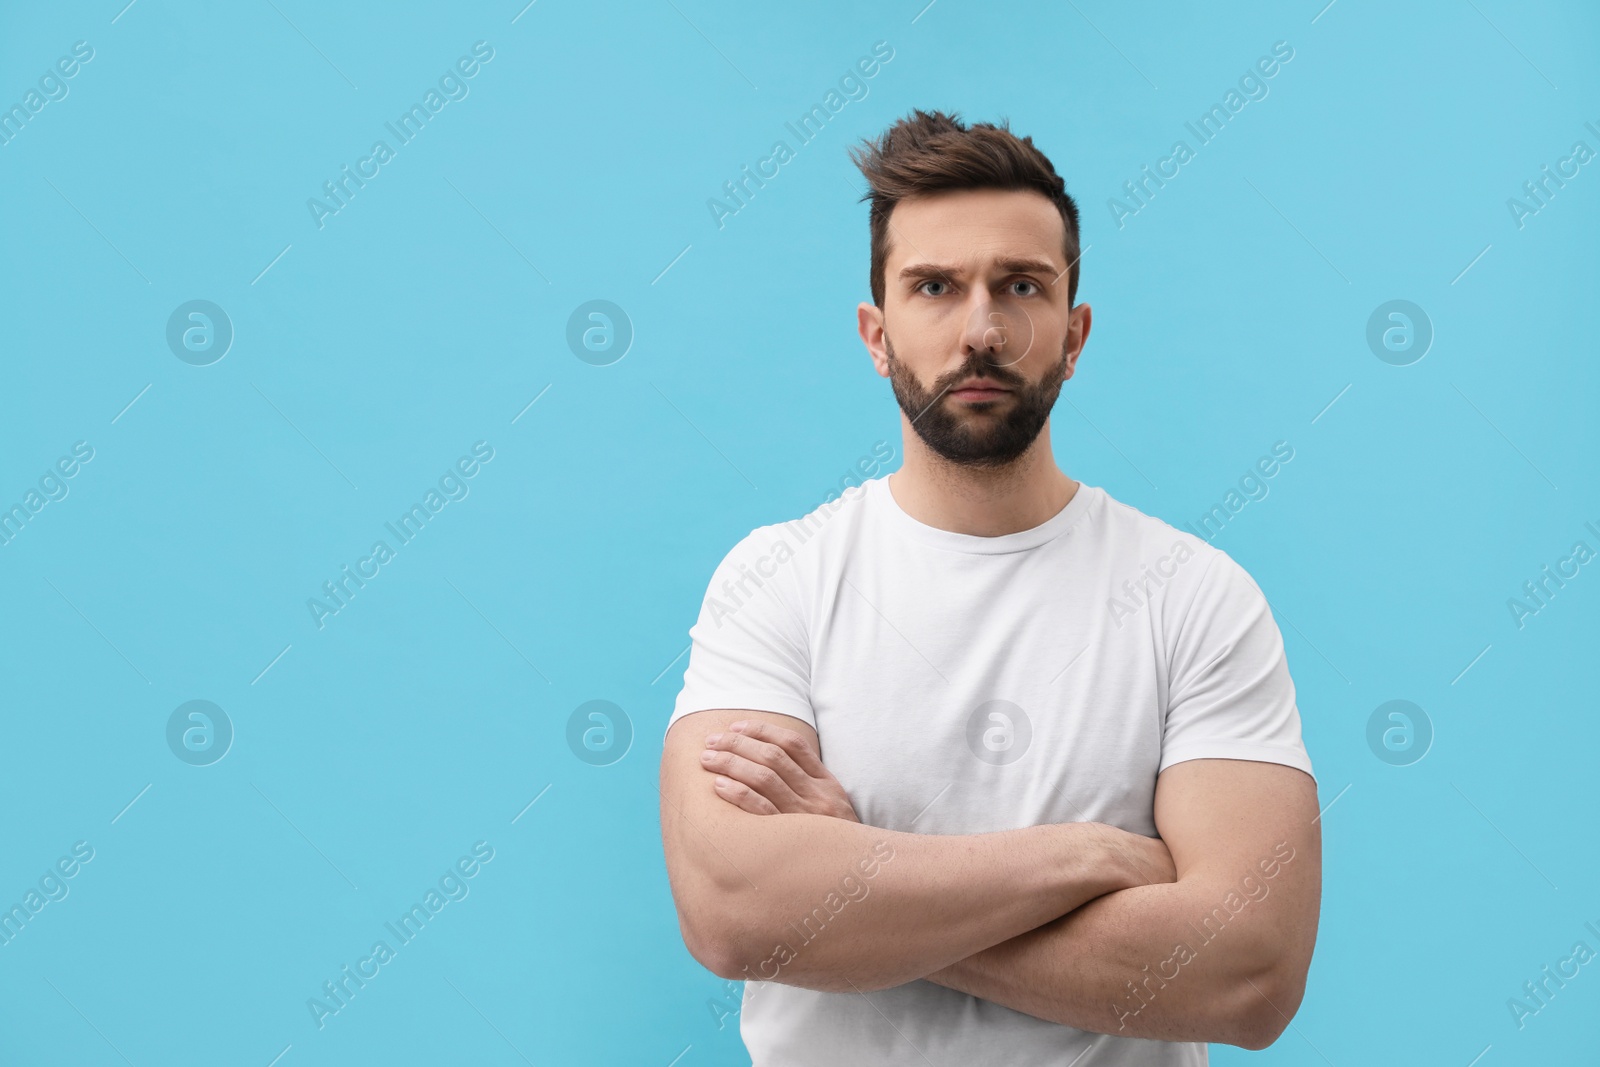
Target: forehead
973 227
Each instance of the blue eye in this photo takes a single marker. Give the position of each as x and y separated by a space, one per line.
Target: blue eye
923 288
1032 285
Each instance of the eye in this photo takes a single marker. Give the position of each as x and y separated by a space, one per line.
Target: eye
1033 287
923 287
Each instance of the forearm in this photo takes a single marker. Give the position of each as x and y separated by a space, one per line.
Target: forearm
789 898
1158 961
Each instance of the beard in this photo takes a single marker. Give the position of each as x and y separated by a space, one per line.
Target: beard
992 434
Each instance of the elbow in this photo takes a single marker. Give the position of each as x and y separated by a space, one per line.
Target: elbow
1261 1007
1257 1034
718 927
1268 981
714 947
711 913
722 963
731 952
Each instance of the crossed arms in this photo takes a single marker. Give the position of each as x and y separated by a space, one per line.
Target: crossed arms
1204 934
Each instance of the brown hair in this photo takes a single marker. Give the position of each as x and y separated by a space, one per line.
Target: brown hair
931 152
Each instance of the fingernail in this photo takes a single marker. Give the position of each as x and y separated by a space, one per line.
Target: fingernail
713 739
740 725
706 757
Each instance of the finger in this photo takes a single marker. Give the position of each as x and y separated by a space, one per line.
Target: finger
763 752
818 795
756 776
791 741
798 761
742 796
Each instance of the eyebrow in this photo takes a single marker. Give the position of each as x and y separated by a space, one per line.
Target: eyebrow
1009 265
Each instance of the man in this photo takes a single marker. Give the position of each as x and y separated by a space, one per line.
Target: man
929 733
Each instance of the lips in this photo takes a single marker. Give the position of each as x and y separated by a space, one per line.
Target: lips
979 389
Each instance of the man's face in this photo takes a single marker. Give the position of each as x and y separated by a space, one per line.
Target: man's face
975 291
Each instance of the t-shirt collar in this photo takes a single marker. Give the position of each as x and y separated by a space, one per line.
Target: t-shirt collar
882 499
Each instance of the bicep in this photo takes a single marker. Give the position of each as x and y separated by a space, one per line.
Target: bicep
694 819
1246 836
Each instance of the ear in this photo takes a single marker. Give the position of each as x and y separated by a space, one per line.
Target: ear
1082 318
869 323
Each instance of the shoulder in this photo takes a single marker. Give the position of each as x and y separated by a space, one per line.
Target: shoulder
1148 539
789 559
1191 570
831 523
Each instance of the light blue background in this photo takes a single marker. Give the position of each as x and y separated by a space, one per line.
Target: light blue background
432 310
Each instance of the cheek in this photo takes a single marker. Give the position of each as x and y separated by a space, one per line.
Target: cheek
1037 353
905 337
1052 343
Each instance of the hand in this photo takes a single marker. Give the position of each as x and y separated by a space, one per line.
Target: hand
1141 860
767 770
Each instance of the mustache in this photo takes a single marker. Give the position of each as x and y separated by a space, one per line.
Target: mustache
979 368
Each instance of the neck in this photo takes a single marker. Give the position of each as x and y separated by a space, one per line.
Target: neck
981 501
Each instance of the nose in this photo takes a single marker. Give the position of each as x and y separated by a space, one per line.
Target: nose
1001 330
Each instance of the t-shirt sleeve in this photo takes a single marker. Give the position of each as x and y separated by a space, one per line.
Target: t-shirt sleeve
748 648
1230 695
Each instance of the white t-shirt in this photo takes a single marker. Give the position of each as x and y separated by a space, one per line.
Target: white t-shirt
960 684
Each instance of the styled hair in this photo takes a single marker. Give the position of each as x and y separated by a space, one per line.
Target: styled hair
930 152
